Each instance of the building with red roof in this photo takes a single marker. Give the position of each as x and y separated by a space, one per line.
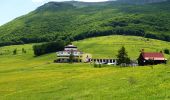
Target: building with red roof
151 58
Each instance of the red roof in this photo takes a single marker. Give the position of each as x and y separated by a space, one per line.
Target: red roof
153 55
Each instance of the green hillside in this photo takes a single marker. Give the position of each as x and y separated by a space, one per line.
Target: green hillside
24 76
77 20
108 46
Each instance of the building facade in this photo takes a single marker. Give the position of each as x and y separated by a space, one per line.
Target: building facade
151 58
69 50
104 61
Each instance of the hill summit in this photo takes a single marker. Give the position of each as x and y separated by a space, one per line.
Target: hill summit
141 1
74 20
54 6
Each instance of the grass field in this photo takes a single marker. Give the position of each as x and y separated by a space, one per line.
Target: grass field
25 77
109 45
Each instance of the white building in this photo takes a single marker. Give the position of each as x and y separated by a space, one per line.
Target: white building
64 56
105 61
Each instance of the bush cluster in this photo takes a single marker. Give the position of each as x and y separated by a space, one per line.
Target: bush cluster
48 47
166 51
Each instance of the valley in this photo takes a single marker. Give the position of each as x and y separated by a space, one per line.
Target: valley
113 50
23 76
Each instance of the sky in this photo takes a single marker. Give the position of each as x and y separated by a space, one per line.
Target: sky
11 9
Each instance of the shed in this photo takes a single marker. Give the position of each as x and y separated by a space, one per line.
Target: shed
151 58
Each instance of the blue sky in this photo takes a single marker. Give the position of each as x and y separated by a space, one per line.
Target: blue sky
10 9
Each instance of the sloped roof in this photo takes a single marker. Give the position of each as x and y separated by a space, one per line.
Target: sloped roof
153 55
70 46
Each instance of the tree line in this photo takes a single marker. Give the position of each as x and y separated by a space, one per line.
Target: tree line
44 48
86 22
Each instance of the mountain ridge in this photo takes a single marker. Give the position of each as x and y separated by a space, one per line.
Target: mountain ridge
141 1
67 21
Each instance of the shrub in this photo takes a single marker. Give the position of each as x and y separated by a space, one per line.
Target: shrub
14 51
100 65
49 47
166 51
95 65
23 50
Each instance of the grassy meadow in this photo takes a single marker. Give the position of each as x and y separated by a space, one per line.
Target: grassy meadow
25 77
108 46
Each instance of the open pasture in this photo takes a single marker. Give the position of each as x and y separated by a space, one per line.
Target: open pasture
25 77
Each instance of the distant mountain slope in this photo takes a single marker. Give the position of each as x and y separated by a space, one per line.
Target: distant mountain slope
77 20
141 1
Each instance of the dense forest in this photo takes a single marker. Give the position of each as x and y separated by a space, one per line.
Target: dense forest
73 20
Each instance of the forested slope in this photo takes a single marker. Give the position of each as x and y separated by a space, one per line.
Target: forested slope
77 20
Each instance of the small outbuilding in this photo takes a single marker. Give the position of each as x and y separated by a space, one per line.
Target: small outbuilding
108 61
151 58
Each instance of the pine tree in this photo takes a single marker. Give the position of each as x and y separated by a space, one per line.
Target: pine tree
123 56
